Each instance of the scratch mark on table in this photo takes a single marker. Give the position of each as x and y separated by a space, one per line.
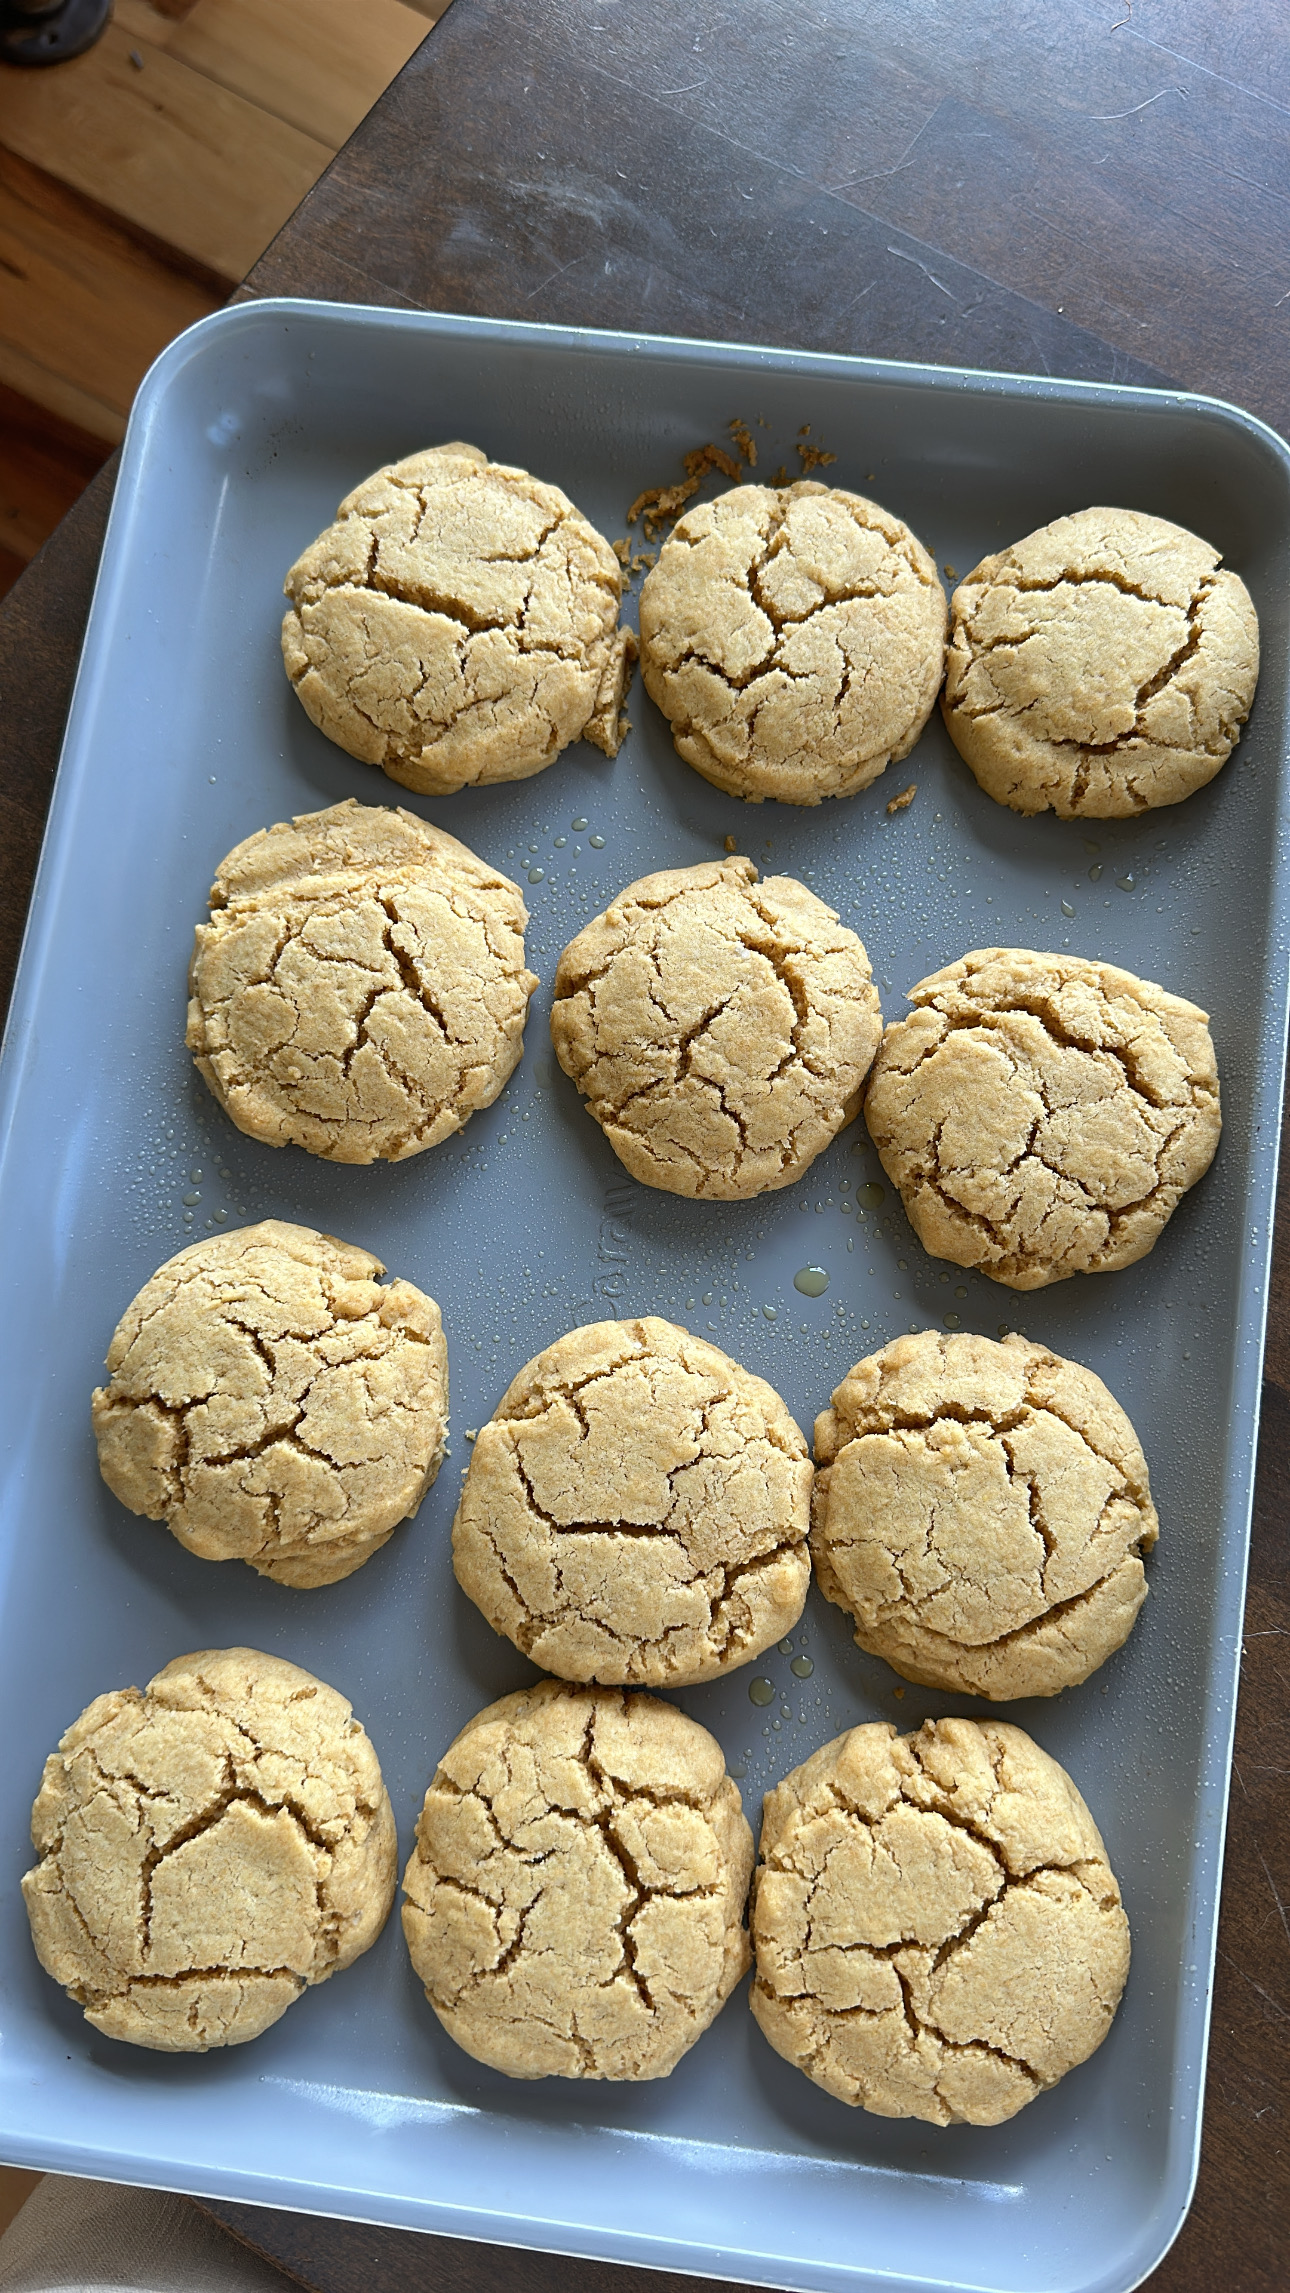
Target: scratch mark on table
901 257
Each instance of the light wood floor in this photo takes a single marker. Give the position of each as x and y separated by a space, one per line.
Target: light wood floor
138 184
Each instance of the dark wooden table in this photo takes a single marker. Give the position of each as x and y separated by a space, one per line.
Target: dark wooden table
1096 188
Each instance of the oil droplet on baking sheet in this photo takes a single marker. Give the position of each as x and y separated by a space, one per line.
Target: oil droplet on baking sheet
812 1281
872 1194
801 1667
761 1691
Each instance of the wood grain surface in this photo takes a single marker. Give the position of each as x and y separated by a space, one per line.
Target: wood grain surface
1098 189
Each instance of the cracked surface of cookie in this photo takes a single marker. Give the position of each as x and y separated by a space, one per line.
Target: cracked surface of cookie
720 1029
458 624
794 638
1100 666
937 1930
1042 1115
271 1401
574 1903
360 989
636 1511
981 1512
209 1847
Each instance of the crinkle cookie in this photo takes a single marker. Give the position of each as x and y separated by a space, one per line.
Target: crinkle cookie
360 988
458 624
637 1510
938 1932
271 1402
794 638
1042 1115
574 1904
208 1848
1101 666
981 1512
720 1029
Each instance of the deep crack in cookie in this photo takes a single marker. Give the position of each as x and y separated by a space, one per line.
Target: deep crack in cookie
938 1932
637 1509
794 638
272 1402
208 1848
720 1029
360 990
458 624
574 1904
1042 1115
1100 666
981 1511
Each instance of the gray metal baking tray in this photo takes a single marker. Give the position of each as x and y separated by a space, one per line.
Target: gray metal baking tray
184 736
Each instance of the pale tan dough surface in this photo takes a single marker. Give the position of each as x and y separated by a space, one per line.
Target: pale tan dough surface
636 1511
360 989
1100 666
272 1402
981 1512
794 638
719 1029
1042 1115
574 1904
458 624
937 1930
208 1848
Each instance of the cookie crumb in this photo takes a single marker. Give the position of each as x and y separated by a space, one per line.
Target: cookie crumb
471 1432
745 441
950 572
660 504
814 458
730 844
906 797
622 551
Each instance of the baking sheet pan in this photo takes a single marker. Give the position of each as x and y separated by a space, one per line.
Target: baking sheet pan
184 737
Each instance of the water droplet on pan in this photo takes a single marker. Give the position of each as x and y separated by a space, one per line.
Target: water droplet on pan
812 1281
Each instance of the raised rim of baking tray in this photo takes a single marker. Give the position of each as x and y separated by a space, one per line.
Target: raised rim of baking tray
651 2246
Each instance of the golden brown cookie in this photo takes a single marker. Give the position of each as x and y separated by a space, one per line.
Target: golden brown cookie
458 624
720 1029
1102 665
208 1848
271 1402
937 1929
1043 1115
360 988
637 1510
980 1511
574 1904
794 638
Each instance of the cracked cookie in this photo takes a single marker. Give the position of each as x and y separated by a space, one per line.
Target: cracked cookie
1100 666
360 989
720 1029
937 1930
637 1510
980 1511
794 638
458 624
1042 1115
208 1848
271 1402
574 1903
